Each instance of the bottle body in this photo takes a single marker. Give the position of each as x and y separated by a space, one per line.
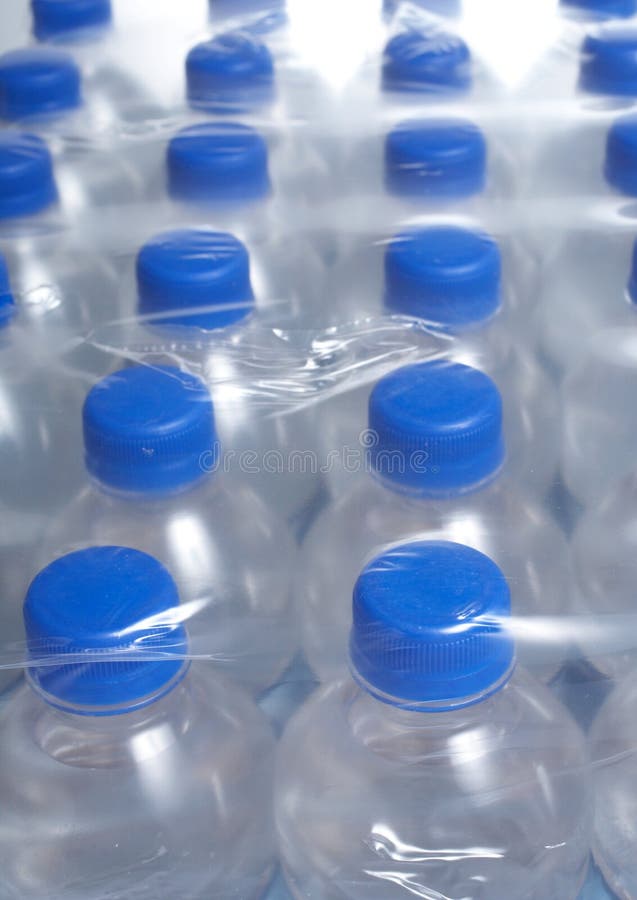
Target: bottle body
508 527
613 752
585 290
369 201
489 801
228 554
597 403
604 554
152 776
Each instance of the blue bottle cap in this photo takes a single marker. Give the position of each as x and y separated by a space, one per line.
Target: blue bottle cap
427 61
7 303
601 9
27 185
439 158
609 63
218 162
437 428
451 277
149 430
199 277
38 81
231 73
59 18
104 601
430 626
620 166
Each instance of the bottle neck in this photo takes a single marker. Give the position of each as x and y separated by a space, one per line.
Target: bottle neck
418 496
412 735
166 496
404 709
115 740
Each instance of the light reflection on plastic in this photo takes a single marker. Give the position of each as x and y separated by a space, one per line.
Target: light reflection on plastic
341 28
512 36
385 842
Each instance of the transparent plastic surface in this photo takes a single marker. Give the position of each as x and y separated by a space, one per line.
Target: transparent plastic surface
366 123
613 751
494 518
381 802
152 775
228 553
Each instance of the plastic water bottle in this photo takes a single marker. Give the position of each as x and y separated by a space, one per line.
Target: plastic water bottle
603 551
43 88
592 68
40 403
220 172
591 285
596 78
421 65
57 188
437 470
612 742
152 769
106 54
450 280
197 292
599 420
155 481
424 166
253 69
232 73
439 768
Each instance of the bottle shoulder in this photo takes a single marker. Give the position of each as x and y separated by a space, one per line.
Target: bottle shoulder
522 726
204 720
371 511
216 508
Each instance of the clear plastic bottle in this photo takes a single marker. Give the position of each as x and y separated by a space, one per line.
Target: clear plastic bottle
442 165
588 70
108 53
437 469
132 772
450 280
43 190
197 292
232 73
155 481
227 175
593 154
599 421
604 553
439 768
43 89
612 741
589 286
41 394
421 65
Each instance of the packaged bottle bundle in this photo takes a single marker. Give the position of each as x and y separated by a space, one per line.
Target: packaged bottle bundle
318 484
